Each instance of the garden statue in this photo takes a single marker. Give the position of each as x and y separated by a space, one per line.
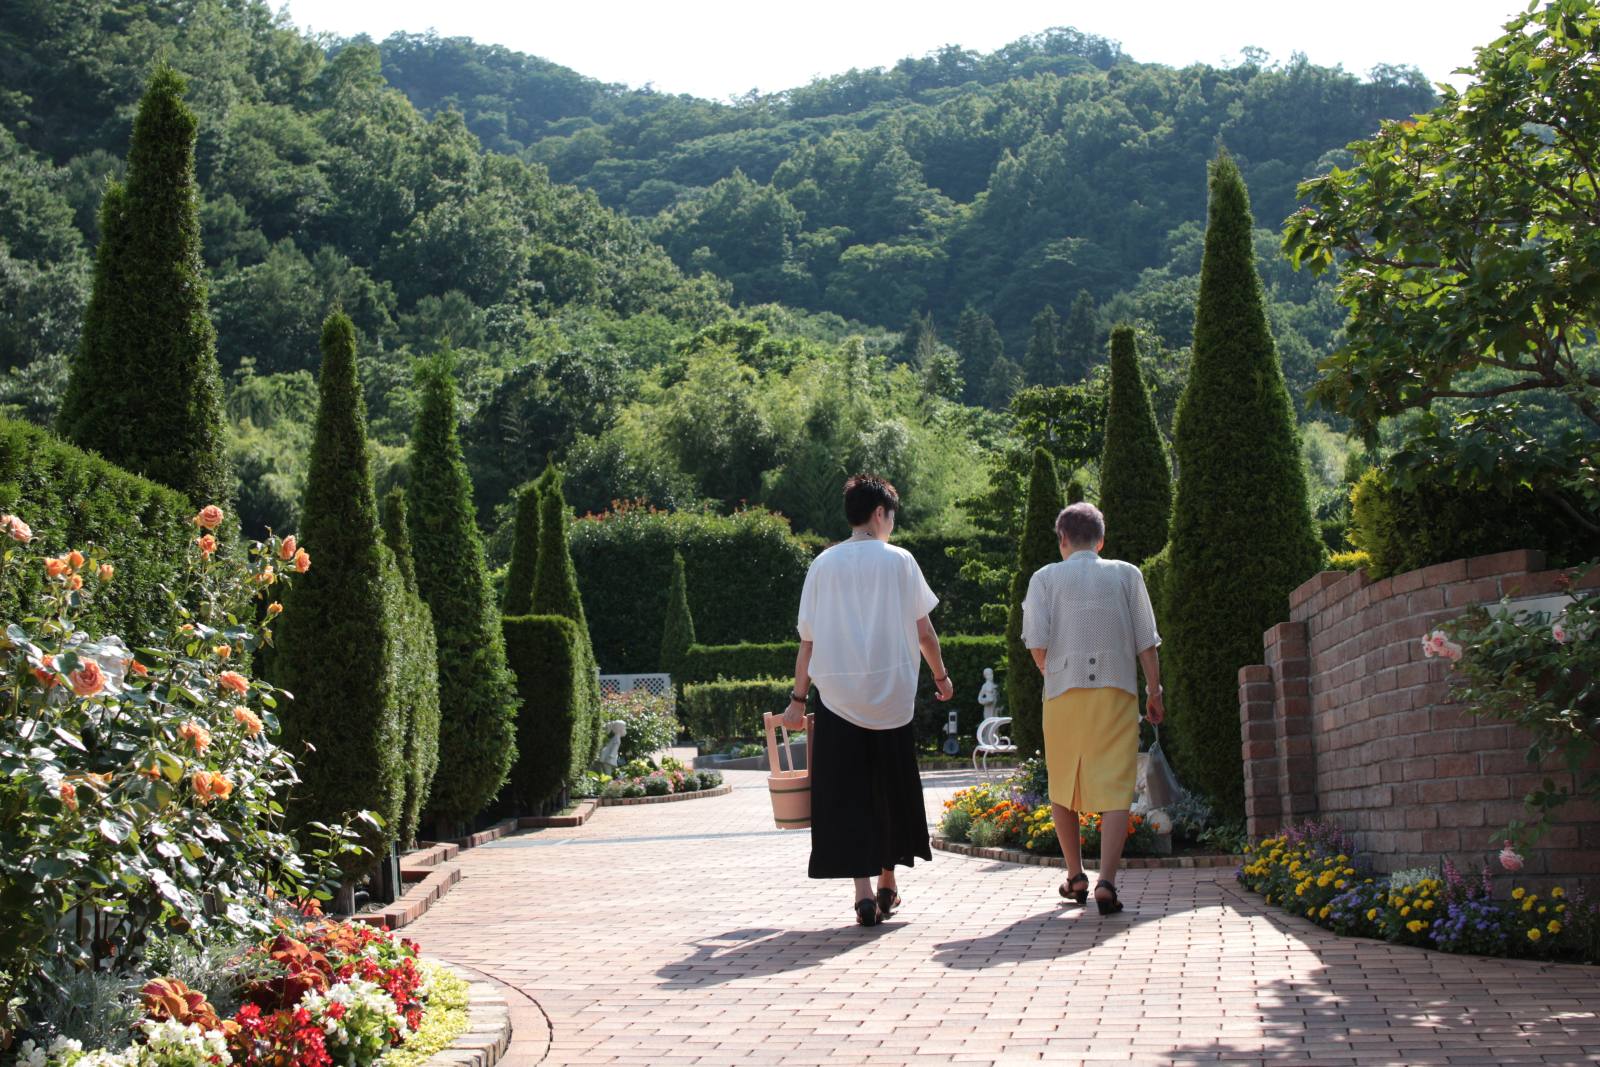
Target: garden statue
611 751
989 694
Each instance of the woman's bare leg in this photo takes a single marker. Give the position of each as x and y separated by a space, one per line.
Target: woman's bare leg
1113 836
886 878
1066 821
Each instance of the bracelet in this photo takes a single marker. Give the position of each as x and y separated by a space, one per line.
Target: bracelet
795 698
941 678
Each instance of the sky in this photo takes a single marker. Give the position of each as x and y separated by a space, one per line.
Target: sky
721 48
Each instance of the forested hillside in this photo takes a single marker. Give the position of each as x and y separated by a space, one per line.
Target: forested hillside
685 302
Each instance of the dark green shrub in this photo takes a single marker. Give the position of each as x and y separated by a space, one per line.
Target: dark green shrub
72 500
708 663
524 554
338 647
743 571
1135 480
1242 535
477 692
1037 546
555 592
1405 529
730 709
657 786
145 391
678 632
960 598
545 655
418 676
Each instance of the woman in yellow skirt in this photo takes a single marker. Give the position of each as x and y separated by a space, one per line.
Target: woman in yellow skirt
1089 624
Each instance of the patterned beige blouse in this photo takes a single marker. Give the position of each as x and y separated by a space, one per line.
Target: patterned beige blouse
1092 617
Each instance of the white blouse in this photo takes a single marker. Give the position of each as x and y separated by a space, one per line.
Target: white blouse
1092 617
859 609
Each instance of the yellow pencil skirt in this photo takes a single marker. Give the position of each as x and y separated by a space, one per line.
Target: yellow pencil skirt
1091 748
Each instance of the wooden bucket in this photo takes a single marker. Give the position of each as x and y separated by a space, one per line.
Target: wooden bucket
790 789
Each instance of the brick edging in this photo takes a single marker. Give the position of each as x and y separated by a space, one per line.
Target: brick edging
992 765
622 802
1131 863
488 1032
577 818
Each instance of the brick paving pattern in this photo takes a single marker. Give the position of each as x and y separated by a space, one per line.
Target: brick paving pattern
688 933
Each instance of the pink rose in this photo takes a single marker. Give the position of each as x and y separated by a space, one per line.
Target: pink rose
88 679
19 530
210 517
287 549
1559 632
233 681
1451 651
1509 859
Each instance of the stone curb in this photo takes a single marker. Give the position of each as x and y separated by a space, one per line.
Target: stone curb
488 1032
1130 863
544 822
623 802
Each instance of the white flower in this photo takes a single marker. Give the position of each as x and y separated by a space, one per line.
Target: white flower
65 1044
31 1055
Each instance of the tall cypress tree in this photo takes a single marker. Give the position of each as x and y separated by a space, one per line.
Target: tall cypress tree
678 633
979 345
337 644
1042 363
1135 479
524 553
477 693
418 675
1242 534
555 592
145 391
1037 546
1078 339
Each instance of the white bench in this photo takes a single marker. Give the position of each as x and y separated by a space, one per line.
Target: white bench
991 742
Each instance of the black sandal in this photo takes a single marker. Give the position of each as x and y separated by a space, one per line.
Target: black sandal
888 901
1078 896
867 912
1107 907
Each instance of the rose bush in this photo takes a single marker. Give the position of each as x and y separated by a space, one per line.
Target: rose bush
140 788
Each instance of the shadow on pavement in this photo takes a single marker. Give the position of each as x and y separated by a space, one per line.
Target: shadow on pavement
757 952
1049 935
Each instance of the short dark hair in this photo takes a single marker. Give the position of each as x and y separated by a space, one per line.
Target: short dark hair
866 493
1081 525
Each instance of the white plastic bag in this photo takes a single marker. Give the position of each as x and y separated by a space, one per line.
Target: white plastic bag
1160 784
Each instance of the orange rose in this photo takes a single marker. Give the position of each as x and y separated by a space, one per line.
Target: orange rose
196 735
88 679
208 545
139 668
223 651
56 566
286 550
75 558
274 608
234 681
46 672
107 572
69 796
267 576
248 720
74 582
302 560
210 517
19 530
209 786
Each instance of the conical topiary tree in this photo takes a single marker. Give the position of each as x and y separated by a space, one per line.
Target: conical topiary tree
418 675
1037 545
678 633
1042 362
145 391
555 592
336 646
1135 480
1242 535
477 694
524 553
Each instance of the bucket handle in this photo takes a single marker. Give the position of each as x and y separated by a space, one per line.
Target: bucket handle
774 723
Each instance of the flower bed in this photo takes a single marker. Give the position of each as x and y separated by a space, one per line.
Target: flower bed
317 994
646 778
1309 871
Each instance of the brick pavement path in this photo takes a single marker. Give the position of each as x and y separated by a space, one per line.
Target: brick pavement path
688 933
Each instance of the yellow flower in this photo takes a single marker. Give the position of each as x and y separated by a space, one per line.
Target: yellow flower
1416 926
1558 892
1405 911
1327 910
1560 908
1527 904
1554 927
1518 893
1339 884
1542 910
1533 934
1372 915
1427 905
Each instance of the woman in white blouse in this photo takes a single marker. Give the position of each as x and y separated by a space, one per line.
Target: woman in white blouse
863 623
1089 624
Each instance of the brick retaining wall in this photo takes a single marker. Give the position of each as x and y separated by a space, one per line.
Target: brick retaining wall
1346 720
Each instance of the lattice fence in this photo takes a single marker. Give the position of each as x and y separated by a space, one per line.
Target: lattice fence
656 684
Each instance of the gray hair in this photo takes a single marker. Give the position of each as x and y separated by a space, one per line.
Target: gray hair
1081 525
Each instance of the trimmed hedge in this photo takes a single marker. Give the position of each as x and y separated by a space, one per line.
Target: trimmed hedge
960 599
418 676
524 553
1037 546
744 572
1135 478
708 663
731 709
678 633
545 653
73 499
555 592
1406 529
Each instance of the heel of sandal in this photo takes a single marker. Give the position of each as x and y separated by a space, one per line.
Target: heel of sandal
1107 907
867 913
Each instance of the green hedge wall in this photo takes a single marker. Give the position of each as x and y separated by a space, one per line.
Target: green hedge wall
744 574
74 499
731 709
959 598
964 657
545 653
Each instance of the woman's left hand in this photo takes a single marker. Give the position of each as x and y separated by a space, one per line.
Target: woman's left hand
944 688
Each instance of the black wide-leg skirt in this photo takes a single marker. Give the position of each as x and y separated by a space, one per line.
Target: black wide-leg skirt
866 799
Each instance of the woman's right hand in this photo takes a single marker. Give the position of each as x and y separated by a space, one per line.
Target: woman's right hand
794 716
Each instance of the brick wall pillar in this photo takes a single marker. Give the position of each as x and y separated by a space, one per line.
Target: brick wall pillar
1289 660
1262 807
